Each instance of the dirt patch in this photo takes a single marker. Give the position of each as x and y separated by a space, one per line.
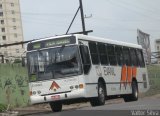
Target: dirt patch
157 96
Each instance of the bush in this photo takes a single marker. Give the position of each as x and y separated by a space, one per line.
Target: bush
2 108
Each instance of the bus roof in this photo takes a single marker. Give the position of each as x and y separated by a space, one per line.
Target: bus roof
106 40
93 38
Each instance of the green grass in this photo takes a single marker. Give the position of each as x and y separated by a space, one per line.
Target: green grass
2 108
154 80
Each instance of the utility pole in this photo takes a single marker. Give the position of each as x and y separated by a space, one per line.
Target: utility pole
80 8
82 17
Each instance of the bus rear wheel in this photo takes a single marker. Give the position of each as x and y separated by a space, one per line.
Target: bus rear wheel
134 95
100 100
56 106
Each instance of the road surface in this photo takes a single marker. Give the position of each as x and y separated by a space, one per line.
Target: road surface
147 106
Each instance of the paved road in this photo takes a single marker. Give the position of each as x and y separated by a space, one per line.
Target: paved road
146 106
153 104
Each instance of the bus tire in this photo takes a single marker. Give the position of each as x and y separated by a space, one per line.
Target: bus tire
134 95
100 100
56 106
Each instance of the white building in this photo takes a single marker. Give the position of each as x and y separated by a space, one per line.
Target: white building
157 47
10 29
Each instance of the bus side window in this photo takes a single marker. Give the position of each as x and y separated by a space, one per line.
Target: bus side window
111 54
119 54
85 58
140 58
94 52
102 54
133 57
127 58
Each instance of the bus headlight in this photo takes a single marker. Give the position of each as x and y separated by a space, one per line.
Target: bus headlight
39 92
76 86
71 87
34 93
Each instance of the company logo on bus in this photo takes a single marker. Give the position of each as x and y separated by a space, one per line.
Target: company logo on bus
54 86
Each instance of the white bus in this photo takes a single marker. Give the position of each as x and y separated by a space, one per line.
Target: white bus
73 68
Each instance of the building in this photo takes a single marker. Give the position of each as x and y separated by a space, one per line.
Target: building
157 47
10 29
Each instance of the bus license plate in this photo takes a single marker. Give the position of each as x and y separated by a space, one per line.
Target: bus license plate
55 97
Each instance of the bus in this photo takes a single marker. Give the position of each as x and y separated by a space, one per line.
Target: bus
73 68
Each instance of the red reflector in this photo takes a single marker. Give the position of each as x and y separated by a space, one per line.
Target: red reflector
30 93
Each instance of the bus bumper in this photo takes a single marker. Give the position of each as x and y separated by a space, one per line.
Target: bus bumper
36 99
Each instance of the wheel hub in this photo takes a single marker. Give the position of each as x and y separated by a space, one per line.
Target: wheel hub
101 93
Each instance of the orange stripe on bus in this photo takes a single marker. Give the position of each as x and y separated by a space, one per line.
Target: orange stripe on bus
134 72
129 74
124 74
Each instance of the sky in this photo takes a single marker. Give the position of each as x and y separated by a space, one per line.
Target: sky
114 19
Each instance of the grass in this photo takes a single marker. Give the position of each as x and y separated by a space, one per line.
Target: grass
3 108
154 80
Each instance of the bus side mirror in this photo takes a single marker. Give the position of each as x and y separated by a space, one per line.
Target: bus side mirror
85 58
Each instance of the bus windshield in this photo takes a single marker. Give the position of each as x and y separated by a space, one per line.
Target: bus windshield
54 63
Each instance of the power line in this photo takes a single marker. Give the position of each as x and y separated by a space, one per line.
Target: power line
135 6
36 14
16 43
128 8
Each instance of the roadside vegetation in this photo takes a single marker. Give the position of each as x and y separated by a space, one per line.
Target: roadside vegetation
154 80
2 108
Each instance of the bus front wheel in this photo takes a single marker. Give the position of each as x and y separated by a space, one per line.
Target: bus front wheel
56 106
100 100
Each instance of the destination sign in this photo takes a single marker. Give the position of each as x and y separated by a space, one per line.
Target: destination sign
36 46
60 41
51 43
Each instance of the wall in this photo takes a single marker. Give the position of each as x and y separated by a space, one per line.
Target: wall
13 85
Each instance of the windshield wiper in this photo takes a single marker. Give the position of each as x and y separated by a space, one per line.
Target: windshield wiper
55 58
58 53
